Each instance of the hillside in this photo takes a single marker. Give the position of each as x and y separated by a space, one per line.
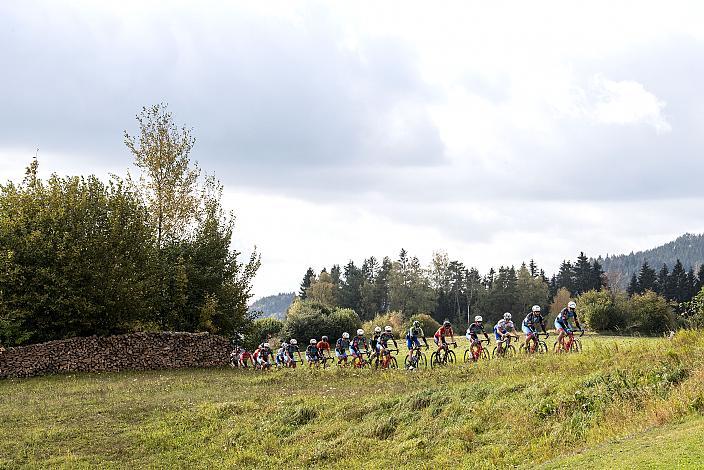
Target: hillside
688 248
637 395
273 305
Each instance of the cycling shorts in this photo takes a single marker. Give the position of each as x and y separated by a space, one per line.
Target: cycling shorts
528 330
412 342
340 354
562 325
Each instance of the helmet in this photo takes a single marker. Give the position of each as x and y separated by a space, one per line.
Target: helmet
446 323
377 329
571 305
387 329
416 323
345 335
536 308
507 316
313 341
324 338
360 332
284 344
478 318
266 345
293 341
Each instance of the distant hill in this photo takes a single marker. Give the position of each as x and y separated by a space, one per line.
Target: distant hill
273 305
688 248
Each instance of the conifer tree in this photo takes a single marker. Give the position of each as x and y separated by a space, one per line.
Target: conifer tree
647 278
308 279
633 287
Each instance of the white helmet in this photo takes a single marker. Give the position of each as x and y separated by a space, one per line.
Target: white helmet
345 335
360 332
536 308
571 305
387 328
377 329
293 341
313 341
266 345
478 318
507 316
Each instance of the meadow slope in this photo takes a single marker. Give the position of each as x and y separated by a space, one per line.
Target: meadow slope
619 394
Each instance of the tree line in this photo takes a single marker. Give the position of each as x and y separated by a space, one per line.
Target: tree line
80 256
677 285
446 289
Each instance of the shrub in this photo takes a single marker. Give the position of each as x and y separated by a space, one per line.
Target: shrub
427 322
308 319
600 311
651 313
393 319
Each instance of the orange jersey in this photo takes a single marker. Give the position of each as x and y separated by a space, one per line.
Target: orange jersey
323 346
442 332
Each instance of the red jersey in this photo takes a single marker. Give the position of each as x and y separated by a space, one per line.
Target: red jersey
442 332
323 346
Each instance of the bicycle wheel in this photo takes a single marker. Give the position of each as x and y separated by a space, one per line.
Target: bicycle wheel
542 347
576 345
494 352
422 360
522 349
434 360
485 354
510 350
467 355
451 357
393 363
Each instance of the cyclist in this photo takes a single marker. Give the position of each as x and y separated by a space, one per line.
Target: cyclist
245 358
264 356
443 331
293 349
342 345
355 344
473 336
312 353
373 343
502 330
281 358
382 345
412 336
562 322
323 345
530 322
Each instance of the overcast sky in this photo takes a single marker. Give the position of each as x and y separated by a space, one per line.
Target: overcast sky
496 131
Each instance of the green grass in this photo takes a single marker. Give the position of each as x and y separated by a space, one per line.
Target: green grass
500 413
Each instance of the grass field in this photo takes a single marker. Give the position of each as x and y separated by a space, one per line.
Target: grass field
622 402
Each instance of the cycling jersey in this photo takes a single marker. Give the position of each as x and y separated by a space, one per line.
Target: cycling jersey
323 346
562 321
384 339
312 352
264 355
503 327
531 321
473 330
292 349
444 331
416 332
358 341
373 343
342 345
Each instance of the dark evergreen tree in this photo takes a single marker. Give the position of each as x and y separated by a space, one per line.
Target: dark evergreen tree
381 286
691 284
664 284
351 289
336 279
552 287
680 291
582 274
633 287
597 276
565 277
647 278
700 279
533 268
307 281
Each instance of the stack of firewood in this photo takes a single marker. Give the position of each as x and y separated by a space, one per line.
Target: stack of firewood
136 351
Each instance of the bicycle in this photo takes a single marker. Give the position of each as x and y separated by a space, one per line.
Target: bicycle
392 364
360 362
483 353
417 358
573 344
444 355
327 361
508 350
541 348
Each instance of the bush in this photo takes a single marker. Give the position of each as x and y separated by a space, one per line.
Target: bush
600 311
306 320
393 319
428 323
651 313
